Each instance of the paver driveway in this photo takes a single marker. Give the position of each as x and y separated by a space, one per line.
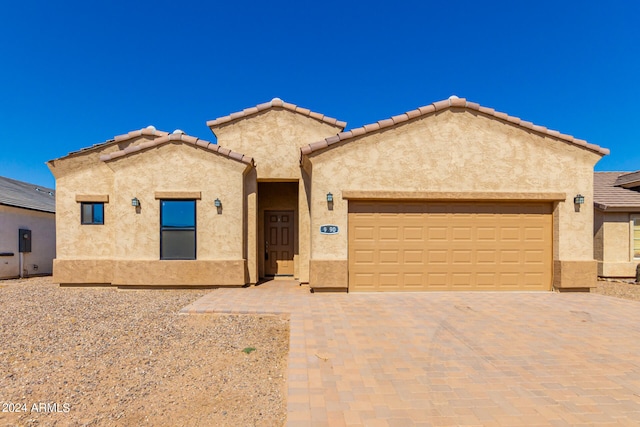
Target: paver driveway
403 359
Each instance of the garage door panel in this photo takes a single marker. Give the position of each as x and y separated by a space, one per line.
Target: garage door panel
449 246
460 257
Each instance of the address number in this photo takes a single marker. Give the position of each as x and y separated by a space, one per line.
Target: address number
329 229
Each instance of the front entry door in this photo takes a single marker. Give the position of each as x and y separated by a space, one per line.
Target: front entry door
278 242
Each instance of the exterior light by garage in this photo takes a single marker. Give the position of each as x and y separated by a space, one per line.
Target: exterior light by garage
217 203
329 197
135 202
578 200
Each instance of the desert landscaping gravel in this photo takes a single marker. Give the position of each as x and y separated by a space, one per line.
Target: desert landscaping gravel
626 289
107 357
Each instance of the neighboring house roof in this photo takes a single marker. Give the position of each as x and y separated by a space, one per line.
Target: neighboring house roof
452 102
178 136
274 103
29 196
629 180
608 195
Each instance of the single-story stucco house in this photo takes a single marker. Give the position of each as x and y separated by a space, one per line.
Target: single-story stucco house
450 196
616 197
27 229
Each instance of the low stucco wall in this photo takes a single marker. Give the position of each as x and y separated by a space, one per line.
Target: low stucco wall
329 274
43 245
612 244
151 272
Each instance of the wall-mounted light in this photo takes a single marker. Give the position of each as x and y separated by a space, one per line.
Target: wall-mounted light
217 203
578 200
329 197
135 202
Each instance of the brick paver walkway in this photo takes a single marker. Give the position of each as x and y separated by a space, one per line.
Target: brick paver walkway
436 359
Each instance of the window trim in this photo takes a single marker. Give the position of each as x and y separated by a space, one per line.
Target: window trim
194 228
93 216
632 219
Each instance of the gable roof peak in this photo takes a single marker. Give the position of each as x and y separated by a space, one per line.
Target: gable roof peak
274 103
180 136
452 102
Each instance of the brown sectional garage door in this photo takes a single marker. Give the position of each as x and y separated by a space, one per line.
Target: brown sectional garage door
449 246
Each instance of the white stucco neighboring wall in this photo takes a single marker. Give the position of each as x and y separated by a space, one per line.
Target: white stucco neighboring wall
43 246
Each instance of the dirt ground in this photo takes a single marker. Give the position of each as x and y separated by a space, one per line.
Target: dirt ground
104 357
626 289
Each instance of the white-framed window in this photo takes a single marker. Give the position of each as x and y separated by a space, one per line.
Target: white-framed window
635 236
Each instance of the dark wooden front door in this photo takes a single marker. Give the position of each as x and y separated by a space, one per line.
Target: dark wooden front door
278 242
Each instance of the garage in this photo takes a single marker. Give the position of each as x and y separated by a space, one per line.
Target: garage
438 246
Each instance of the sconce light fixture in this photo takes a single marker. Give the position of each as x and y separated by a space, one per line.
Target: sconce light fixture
217 203
329 197
135 202
578 200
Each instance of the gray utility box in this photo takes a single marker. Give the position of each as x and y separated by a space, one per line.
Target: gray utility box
24 240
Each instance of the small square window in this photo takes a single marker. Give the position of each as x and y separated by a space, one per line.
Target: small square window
92 213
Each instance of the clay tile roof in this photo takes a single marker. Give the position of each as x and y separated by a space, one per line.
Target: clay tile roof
452 102
607 195
274 103
148 131
29 196
629 180
181 137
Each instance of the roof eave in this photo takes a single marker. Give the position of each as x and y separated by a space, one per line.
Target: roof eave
179 137
617 208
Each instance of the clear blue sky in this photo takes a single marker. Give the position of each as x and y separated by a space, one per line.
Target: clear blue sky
76 73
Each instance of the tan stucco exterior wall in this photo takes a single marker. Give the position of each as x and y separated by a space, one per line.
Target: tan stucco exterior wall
126 249
273 139
43 241
612 244
457 151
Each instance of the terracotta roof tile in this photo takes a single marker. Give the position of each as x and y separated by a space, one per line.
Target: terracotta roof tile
607 195
318 145
454 102
274 103
181 137
426 110
400 118
344 135
441 105
416 113
148 131
385 123
202 143
332 139
371 127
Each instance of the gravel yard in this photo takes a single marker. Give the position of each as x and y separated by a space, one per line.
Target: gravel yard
104 357
619 289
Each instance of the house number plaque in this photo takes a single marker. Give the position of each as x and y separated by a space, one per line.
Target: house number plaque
329 229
